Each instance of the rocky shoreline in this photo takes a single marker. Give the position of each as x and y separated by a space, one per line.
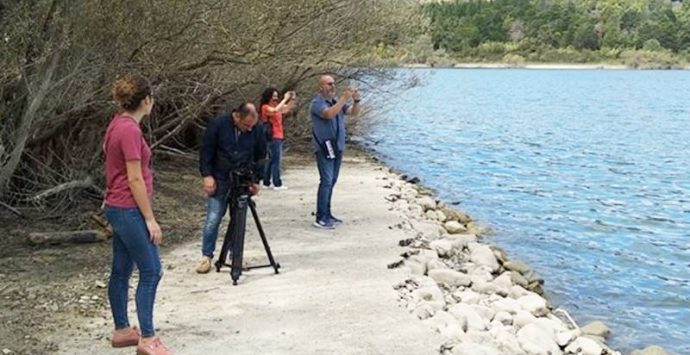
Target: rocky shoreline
545 66
470 292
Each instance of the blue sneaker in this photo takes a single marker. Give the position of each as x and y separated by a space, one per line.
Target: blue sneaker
328 224
335 220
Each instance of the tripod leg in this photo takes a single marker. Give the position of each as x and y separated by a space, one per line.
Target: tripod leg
252 206
227 242
239 216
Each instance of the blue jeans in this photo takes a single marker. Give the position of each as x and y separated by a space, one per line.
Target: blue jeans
216 206
273 166
132 245
328 173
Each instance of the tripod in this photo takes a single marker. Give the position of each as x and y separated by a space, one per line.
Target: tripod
239 200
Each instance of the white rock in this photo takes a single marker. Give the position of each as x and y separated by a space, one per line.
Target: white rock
450 277
443 247
500 254
461 241
427 203
507 305
522 318
436 264
427 254
517 292
415 209
467 314
474 349
535 340
477 336
454 227
467 296
503 317
561 325
483 311
472 246
480 274
517 266
401 205
504 280
597 328
484 256
440 216
564 338
506 340
476 228
650 350
461 217
489 288
550 326
416 266
448 326
431 214
584 346
534 304
427 291
428 230
518 279
409 193
424 310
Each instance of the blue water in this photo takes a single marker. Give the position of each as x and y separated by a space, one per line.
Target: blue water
585 175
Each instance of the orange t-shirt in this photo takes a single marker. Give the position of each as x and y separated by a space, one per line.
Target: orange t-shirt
276 121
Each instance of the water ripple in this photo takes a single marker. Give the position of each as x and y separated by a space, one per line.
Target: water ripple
583 174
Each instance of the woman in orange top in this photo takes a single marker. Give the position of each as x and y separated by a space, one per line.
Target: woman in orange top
272 109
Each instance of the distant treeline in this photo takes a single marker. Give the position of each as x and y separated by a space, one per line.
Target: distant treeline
561 30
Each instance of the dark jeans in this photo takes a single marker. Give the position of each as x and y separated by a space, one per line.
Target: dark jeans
328 173
272 171
132 245
216 206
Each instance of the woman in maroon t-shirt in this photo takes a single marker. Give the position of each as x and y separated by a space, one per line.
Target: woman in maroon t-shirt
136 234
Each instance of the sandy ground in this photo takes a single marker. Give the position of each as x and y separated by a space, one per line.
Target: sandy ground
333 295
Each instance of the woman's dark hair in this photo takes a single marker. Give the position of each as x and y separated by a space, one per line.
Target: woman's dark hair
243 109
130 91
267 95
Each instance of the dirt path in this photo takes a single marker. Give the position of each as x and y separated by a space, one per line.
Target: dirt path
334 293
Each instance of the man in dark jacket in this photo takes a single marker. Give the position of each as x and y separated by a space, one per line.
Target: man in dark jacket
230 140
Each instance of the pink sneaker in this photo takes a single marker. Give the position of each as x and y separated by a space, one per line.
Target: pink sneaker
125 337
152 347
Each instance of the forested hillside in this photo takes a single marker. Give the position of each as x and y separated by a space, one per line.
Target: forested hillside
632 32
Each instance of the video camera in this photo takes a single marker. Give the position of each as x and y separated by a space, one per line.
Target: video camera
243 171
244 175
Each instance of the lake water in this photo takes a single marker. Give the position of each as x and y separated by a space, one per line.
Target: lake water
585 175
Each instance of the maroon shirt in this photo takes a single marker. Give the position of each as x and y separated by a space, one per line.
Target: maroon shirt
125 142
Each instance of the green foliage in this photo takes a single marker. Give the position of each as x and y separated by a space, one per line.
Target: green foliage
560 30
652 45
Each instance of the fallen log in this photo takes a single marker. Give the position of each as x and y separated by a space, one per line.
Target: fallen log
78 237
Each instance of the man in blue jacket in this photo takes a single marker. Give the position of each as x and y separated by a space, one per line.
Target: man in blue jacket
328 125
229 141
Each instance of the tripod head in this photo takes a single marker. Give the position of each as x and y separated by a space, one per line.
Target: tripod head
241 179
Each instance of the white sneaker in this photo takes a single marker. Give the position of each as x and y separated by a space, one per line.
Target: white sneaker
279 188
